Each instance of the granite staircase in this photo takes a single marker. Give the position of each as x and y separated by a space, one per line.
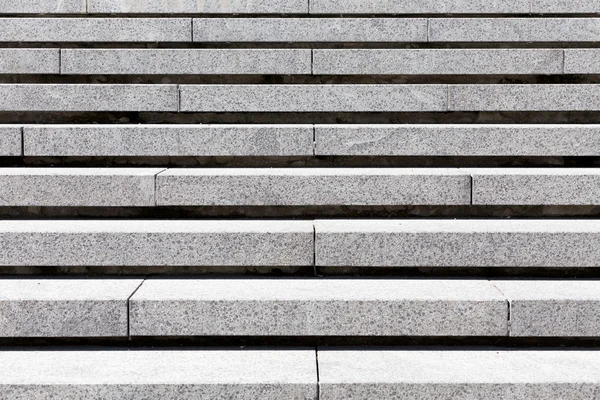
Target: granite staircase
299 199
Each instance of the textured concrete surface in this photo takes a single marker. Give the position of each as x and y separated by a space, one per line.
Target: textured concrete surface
83 97
458 243
29 61
167 140
437 62
535 186
159 374
195 6
156 243
64 307
459 374
329 186
10 140
186 61
563 308
78 187
582 61
43 7
457 140
550 97
419 7
563 6
310 29
95 29
514 29
313 98
315 307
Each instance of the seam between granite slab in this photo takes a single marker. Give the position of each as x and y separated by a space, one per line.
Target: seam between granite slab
128 307
564 60
155 186
22 129
317 371
508 304
314 248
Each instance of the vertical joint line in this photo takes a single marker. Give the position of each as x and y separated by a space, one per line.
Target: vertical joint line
156 186
128 308
312 62
178 98
318 378
314 248
314 142
448 98
192 27
564 60
472 184
308 5
428 27
60 54
22 141
531 6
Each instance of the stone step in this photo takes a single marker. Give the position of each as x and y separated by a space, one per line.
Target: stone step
317 307
519 30
78 187
29 61
10 140
43 7
371 373
457 243
163 140
61 308
84 97
312 186
159 374
142 243
199 7
456 140
420 7
558 308
535 186
437 62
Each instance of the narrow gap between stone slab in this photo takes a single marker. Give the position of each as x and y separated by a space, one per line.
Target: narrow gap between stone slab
318 378
128 310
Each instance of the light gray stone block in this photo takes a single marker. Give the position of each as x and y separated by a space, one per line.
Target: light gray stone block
84 97
65 307
168 140
582 61
310 30
437 62
535 186
565 6
313 98
457 140
156 243
199 7
95 29
29 61
10 140
43 7
312 186
78 187
559 97
419 7
458 243
459 374
186 61
514 29
316 307
551 308
159 374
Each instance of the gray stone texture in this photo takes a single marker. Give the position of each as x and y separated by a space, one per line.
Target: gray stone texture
582 61
565 6
514 29
310 30
186 61
159 374
312 186
535 186
10 140
200 7
459 374
458 243
78 187
29 61
95 30
550 97
312 307
456 140
43 7
313 98
167 140
420 7
437 61
84 97
553 308
156 243
65 307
